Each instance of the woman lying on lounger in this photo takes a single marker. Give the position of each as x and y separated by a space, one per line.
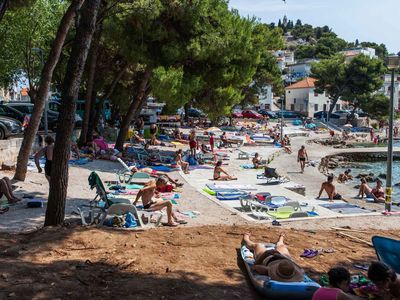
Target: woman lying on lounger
217 173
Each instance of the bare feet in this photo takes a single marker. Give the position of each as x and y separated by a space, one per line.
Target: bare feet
246 238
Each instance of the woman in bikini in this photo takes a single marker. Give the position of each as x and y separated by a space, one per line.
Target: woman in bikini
179 161
217 173
47 152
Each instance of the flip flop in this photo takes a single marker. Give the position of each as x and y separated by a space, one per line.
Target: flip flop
305 253
169 225
312 253
276 223
181 221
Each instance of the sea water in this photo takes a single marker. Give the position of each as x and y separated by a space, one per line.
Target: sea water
378 167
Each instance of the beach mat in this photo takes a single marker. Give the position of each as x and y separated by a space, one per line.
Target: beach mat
345 208
247 187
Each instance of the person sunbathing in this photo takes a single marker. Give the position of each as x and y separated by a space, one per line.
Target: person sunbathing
377 193
287 149
6 189
330 189
276 263
152 201
217 173
137 139
257 162
385 279
343 177
339 280
156 174
179 161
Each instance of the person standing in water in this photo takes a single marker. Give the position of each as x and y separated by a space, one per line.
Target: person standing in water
47 152
302 157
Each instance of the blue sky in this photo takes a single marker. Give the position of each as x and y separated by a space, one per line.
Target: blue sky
368 20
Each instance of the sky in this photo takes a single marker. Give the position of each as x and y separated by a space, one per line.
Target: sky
366 20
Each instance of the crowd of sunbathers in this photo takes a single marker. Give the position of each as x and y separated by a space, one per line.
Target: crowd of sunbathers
279 265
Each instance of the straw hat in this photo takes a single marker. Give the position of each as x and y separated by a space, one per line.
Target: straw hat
285 270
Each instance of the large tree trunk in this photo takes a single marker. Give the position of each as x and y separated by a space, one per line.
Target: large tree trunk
142 91
3 7
90 95
43 91
96 109
59 176
332 106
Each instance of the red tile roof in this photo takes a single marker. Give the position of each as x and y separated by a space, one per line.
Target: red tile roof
306 83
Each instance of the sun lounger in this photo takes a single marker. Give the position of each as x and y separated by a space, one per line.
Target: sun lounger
245 155
126 176
388 251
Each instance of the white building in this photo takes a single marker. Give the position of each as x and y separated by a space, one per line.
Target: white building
387 86
284 58
351 53
266 97
301 68
301 97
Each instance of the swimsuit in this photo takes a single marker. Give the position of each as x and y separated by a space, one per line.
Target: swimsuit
337 197
302 159
47 165
326 294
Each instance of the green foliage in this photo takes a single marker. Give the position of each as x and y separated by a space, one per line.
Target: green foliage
22 29
377 105
380 50
327 45
337 78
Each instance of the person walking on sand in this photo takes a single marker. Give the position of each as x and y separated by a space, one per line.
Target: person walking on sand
47 152
330 189
302 157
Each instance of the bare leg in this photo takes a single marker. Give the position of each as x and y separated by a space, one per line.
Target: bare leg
170 215
257 248
7 192
281 247
10 187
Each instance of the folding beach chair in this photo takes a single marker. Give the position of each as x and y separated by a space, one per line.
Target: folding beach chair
245 155
388 251
126 175
271 176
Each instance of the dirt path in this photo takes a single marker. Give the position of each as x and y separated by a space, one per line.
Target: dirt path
179 263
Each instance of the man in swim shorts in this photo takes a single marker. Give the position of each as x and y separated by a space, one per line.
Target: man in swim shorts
302 156
330 189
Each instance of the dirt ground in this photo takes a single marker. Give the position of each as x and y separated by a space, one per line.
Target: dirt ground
180 263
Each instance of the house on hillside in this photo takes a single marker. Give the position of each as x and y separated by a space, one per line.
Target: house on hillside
351 53
301 69
301 97
284 58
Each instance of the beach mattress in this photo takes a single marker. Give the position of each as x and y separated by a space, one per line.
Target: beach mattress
161 168
209 191
276 290
230 196
216 187
212 187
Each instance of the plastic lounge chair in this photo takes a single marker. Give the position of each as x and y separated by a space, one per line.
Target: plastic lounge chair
258 210
245 155
126 175
388 251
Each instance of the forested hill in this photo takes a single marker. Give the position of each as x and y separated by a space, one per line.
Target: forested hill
319 42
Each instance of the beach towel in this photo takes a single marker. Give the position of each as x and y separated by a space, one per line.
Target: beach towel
79 162
247 166
134 186
161 168
247 187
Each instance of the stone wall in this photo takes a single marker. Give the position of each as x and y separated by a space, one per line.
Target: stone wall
9 150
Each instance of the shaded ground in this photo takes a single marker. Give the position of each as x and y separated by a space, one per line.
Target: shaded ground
179 263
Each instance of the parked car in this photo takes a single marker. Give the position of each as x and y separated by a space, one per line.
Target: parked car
270 114
324 114
289 114
9 127
27 109
6 111
55 107
237 114
251 114
196 113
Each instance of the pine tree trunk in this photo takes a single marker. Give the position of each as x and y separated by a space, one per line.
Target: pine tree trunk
90 95
96 109
55 212
43 91
332 106
3 7
133 110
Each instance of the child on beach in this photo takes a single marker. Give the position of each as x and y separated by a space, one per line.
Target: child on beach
217 173
179 161
47 152
339 280
385 279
